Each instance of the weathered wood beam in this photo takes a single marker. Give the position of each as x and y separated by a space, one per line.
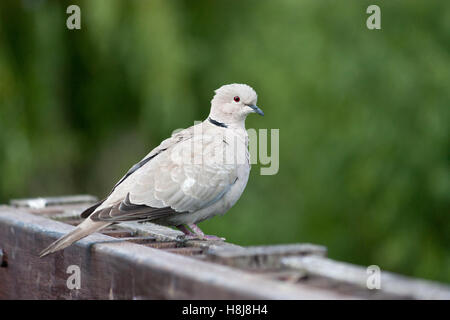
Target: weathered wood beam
390 283
115 269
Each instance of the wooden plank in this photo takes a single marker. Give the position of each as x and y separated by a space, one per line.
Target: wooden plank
390 283
115 269
267 257
148 261
52 201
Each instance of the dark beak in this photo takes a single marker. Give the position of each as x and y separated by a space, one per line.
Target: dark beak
256 109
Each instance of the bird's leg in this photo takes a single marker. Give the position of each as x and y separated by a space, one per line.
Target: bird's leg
186 231
197 231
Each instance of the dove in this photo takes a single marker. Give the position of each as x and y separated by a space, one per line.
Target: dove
194 175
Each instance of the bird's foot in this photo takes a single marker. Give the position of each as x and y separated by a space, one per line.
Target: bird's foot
197 233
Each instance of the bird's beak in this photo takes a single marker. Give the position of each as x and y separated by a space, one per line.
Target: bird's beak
256 109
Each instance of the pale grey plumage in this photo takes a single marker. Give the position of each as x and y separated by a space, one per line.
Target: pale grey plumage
194 175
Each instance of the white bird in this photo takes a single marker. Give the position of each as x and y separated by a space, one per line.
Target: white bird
192 176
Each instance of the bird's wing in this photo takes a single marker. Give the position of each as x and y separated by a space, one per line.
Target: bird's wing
180 136
185 174
127 211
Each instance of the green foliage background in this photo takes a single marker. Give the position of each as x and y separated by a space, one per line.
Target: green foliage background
363 115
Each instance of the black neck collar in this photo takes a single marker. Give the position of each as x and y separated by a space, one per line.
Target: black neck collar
217 123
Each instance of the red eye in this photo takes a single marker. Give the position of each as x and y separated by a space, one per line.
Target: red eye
237 99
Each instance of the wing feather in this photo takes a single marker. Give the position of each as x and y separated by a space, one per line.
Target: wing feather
128 211
176 180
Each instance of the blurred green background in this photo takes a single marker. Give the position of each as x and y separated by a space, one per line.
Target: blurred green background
363 115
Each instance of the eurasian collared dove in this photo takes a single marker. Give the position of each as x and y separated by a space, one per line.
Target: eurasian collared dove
192 176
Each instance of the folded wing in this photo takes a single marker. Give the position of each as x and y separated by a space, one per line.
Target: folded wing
185 175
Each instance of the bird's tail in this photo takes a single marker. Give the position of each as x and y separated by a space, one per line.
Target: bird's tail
75 235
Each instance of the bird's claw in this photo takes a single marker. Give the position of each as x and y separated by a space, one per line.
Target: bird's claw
196 233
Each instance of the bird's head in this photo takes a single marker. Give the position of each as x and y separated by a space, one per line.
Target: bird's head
233 102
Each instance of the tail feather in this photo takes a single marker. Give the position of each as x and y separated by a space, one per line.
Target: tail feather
75 235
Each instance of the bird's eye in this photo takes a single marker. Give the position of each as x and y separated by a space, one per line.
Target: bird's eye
237 99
